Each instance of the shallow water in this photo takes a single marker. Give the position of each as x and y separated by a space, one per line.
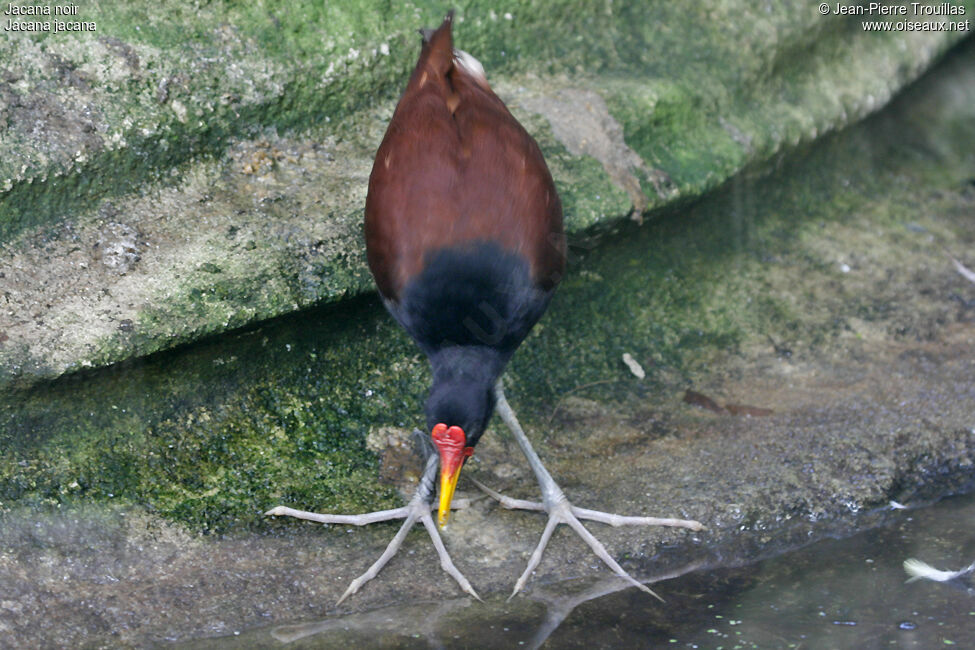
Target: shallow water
837 593
845 593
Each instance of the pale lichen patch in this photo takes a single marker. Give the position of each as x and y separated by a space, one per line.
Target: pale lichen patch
581 121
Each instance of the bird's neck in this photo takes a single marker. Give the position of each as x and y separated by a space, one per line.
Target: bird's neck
473 364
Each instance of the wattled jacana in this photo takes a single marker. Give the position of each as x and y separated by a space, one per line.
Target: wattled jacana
464 238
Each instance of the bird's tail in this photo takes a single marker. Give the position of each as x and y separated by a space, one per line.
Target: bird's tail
438 47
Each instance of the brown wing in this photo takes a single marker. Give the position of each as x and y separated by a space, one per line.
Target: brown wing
455 167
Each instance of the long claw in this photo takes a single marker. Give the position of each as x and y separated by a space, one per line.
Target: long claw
352 520
622 520
601 552
387 555
508 502
445 562
536 557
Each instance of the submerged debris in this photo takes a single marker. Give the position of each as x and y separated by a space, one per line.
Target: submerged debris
748 411
699 399
695 398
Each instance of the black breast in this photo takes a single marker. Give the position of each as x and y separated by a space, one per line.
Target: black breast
475 294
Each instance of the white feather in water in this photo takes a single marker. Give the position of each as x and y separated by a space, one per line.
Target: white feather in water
919 570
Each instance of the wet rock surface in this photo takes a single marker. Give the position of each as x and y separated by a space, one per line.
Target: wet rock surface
846 439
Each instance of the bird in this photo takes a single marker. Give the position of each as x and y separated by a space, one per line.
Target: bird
465 240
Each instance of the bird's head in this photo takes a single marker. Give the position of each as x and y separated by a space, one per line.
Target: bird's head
457 414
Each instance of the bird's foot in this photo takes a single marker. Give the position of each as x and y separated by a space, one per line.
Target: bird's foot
418 509
561 511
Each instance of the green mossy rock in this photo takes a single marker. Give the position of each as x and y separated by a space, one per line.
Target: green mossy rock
181 139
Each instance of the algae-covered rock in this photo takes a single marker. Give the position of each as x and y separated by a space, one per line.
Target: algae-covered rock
187 169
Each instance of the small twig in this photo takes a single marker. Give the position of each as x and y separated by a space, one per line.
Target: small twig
966 273
558 404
